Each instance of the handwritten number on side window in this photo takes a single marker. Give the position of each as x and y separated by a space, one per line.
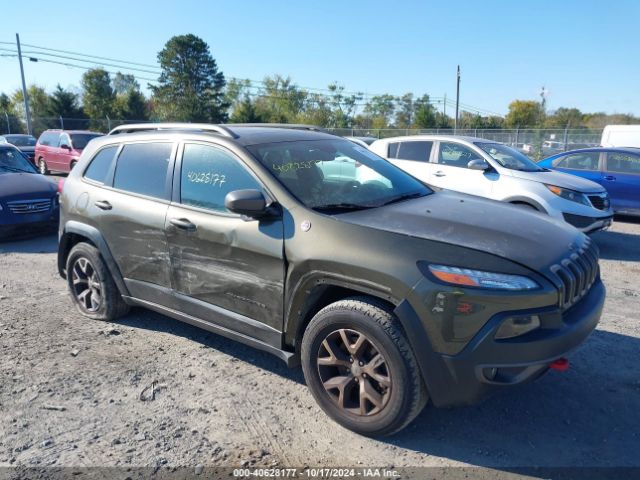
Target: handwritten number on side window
207 178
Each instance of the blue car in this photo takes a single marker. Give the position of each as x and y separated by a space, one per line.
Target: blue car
28 200
616 169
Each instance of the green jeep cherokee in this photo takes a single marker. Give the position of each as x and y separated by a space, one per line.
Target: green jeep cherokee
314 249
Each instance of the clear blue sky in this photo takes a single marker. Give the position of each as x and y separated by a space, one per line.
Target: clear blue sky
585 52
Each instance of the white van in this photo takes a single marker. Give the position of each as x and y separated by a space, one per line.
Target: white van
621 136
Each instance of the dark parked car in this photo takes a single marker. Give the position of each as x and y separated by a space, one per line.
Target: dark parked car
59 150
25 143
28 200
388 293
616 169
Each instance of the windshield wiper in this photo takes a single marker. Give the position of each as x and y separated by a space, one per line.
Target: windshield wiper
342 206
14 169
401 198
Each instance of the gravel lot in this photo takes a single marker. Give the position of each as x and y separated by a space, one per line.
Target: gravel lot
150 391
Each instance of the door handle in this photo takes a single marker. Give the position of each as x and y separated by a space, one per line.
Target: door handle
611 178
183 224
103 205
440 174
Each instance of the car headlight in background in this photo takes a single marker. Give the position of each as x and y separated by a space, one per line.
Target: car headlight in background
570 195
478 278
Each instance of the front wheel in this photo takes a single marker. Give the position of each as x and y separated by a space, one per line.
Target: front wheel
360 368
42 167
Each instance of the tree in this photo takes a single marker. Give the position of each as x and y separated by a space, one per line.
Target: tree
129 103
39 106
10 122
405 111
565 117
342 107
190 87
245 112
425 116
64 103
98 96
380 109
282 101
524 113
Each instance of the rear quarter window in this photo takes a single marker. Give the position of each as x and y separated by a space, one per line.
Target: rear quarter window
417 151
100 165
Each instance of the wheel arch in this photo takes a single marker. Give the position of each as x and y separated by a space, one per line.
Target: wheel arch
528 201
76 232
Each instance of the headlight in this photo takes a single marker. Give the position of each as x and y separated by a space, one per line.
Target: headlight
570 195
478 278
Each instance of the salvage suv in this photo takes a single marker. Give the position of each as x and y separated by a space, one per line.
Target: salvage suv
388 293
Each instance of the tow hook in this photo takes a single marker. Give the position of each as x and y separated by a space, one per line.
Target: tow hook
561 364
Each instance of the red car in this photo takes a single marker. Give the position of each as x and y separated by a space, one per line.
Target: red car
59 150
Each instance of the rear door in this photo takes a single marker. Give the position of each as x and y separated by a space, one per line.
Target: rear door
583 164
413 156
451 172
621 178
131 209
51 151
220 262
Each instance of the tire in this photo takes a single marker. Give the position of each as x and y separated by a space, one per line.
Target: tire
42 167
85 268
393 390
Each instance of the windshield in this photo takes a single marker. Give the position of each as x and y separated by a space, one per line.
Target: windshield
12 160
336 175
80 140
509 158
21 140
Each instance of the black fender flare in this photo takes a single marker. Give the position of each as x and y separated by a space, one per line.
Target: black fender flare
527 200
92 234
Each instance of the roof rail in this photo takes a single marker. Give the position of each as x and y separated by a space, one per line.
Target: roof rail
199 127
294 126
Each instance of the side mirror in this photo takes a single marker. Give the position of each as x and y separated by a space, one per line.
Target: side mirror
478 164
251 203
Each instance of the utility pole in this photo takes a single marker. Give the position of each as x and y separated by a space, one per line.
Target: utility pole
24 88
455 125
444 107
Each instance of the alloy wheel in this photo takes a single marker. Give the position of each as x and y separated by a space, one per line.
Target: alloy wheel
86 285
354 372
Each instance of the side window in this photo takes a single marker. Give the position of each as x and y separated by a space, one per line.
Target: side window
99 167
208 174
417 151
623 163
393 150
455 155
579 161
142 168
64 140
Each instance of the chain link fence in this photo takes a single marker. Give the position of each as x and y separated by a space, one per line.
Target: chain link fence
537 143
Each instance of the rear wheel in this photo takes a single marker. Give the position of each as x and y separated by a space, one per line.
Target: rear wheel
360 368
92 289
42 167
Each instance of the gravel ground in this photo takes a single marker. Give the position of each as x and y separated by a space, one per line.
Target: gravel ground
150 391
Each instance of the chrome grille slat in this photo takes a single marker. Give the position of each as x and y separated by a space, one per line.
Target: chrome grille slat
21 207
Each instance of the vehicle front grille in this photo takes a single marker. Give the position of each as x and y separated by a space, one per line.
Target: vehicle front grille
577 273
21 207
601 202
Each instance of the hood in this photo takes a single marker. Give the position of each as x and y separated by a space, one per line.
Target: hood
532 239
22 186
559 179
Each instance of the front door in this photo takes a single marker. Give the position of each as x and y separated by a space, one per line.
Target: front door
451 172
622 181
221 262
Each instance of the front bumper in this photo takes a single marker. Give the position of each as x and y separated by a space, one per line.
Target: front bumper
16 225
588 224
486 364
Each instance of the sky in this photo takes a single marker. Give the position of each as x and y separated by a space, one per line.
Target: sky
584 52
